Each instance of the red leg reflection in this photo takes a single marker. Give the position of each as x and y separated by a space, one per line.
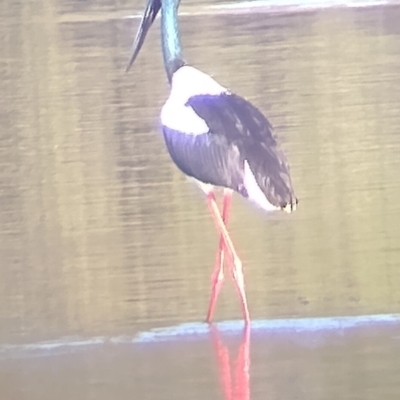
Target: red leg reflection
236 263
239 387
217 277
242 369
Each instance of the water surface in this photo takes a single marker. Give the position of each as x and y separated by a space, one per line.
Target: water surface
101 235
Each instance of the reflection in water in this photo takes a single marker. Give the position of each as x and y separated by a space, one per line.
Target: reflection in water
234 374
306 359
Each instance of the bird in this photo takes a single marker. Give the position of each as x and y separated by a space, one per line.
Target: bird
218 139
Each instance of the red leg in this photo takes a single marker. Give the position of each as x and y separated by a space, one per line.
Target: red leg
217 277
237 269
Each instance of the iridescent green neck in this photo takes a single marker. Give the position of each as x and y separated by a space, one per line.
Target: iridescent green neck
171 44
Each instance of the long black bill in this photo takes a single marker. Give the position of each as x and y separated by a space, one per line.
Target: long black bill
150 14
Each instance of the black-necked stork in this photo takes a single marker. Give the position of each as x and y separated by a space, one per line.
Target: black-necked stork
219 139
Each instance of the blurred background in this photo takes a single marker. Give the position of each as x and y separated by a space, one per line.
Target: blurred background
100 234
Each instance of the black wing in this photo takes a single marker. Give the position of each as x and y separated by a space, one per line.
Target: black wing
244 127
209 158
